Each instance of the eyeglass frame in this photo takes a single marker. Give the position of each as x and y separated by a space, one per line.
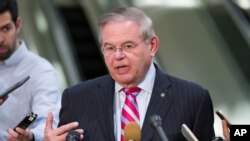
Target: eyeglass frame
123 48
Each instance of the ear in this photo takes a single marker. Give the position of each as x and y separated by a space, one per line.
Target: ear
18 25
154 42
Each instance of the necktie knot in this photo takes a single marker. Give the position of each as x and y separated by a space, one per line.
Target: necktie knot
131 91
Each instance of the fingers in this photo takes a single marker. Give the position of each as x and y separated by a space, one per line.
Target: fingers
59 134
81 137
65 128
22 132
225 128
1 101
12 133
81 133
49 122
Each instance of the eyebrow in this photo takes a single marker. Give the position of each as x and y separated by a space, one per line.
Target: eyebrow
105 44
6 25
126 42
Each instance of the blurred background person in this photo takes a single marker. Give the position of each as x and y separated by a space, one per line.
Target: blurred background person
39 94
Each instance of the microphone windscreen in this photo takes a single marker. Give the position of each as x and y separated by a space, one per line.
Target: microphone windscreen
132 132
187 133
73 136
155 121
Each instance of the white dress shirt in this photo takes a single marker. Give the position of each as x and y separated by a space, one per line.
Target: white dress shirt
142 99
40 94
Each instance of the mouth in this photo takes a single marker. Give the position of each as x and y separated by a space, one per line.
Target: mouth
121 69
2 50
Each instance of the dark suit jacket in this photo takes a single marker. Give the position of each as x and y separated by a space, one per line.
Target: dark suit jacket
91 103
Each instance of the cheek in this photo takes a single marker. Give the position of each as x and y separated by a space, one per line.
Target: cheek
143 61
10 38
108 63
141 58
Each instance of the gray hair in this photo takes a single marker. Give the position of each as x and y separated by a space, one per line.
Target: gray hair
129 13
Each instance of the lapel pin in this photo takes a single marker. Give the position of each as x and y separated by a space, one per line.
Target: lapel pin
162 95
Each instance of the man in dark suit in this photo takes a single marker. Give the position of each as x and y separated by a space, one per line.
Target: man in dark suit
101 105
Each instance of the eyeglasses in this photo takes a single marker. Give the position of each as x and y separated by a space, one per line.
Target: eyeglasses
127 47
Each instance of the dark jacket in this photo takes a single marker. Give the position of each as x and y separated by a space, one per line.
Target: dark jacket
91 104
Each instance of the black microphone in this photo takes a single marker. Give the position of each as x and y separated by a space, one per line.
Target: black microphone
217 139
73 136
155 122
5 94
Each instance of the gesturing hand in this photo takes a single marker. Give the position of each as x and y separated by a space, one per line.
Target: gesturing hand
20 135
58 134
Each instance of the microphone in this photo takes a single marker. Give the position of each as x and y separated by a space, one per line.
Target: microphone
217 139
132 132
187 133
155 122
18 84
73 136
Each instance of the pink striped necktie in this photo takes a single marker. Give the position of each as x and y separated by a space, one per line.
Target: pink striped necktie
130 112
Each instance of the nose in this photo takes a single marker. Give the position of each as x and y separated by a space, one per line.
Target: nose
119 54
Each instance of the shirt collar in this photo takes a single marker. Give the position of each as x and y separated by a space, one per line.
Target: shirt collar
147 83
17 56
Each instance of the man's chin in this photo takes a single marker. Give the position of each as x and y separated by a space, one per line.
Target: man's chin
122 79
4 57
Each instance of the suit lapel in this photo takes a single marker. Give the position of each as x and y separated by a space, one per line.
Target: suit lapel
106 100
159 104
